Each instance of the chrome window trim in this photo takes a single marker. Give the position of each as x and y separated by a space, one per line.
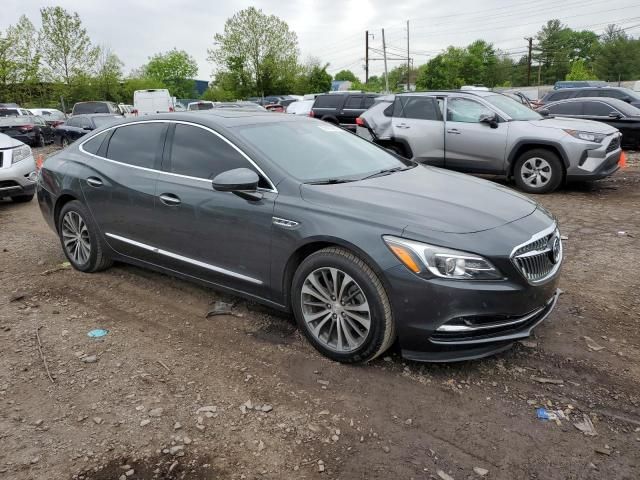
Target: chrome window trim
182 258
183 122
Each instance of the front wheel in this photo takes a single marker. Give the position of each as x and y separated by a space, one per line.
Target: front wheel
342 307
538 171
80 241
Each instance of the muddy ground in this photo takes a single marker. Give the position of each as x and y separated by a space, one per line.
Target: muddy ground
130 405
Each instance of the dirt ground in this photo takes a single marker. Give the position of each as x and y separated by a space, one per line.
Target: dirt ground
170 394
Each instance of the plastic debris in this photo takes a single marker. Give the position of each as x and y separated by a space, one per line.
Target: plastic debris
547 380
220 308
97 333
444 476
586 426
592 345
544 414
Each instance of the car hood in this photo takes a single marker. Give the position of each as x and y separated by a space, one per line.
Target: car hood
424 198
574 124
9 142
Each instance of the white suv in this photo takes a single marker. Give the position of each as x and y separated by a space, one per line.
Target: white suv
17 170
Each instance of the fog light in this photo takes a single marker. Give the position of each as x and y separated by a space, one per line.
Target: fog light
33 176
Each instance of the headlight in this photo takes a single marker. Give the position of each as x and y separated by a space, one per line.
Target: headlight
20 154
427 260
587 136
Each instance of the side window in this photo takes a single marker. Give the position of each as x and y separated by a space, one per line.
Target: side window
328 101
369 100
585 92
93 144
353 101
554 97
598 109
84 122
72 122
137 144
465 110
196 152
421 108
566 108
39 121
614 94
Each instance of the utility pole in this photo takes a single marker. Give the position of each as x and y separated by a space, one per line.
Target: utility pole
408 61
530 39
366 57
384 54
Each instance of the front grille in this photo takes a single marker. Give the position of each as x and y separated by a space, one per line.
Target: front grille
614 144
539 258
8 183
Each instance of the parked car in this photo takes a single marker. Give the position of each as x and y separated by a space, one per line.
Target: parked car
620 93
201 105
342 108
84 108
242 105
13 111
152 101
520 98
613 112
486 132
79 125
17 170
52 116
363 246
29 129
300 107
126 109
578 84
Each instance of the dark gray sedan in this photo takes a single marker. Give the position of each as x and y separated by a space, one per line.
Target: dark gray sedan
364 247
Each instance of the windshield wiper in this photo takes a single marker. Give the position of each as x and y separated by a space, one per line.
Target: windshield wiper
331 181
387 171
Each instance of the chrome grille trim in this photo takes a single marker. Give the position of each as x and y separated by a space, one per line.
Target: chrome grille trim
534 258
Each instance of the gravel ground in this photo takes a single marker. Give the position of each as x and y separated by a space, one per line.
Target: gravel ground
170 394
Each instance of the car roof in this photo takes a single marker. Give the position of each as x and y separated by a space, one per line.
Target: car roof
474 93
588 87
591 99
222 117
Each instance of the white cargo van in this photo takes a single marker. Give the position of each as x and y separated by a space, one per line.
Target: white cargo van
148 102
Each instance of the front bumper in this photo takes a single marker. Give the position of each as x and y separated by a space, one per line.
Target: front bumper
17 179
589 163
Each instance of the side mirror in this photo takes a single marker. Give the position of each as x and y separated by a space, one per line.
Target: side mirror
491 120
241 181
544 112
615 115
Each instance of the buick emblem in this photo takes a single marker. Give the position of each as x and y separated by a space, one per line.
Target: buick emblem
556 249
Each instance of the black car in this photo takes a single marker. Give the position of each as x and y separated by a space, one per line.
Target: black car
83 108
362 246
611 111
29 129
342 108
79 125
621 93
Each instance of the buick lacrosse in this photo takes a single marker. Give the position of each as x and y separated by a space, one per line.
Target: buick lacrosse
365 248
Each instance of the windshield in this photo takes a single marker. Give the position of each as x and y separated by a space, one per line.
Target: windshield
100 121
514 109
313 151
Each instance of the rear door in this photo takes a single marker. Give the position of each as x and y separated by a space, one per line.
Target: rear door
470 145
120 188
351 109
215 236
417 121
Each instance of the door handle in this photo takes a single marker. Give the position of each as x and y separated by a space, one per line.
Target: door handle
170 199
454 131
94 182
402 125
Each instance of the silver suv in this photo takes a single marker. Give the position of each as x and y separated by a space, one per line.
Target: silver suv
487 132
17 170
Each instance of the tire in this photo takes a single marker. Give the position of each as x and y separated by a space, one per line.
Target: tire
40 142
538 171
96 259
64 142
361 289
22 198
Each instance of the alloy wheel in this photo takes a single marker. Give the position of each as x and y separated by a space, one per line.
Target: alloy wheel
75 236
335 309
536 172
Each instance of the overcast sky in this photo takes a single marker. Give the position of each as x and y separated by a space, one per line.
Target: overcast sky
333 30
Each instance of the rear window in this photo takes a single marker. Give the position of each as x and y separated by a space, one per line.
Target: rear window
328 101
100 121
90 107
8 112
137 144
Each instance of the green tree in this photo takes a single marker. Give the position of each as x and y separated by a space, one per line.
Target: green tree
579 72
346 75
618 57
443 71
313 78
7 66
108 75
65 45
26 58
262 45
175 69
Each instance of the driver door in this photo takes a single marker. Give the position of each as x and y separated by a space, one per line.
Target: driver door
469 144
214 236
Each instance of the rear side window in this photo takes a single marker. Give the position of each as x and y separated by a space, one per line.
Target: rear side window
137 144
555 96
611 94
598 109
353 101
196 152
93 144
567 108
328 101
369 100
421 108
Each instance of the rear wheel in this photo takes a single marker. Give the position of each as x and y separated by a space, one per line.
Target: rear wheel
40 142
342 307
538 171
80 241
